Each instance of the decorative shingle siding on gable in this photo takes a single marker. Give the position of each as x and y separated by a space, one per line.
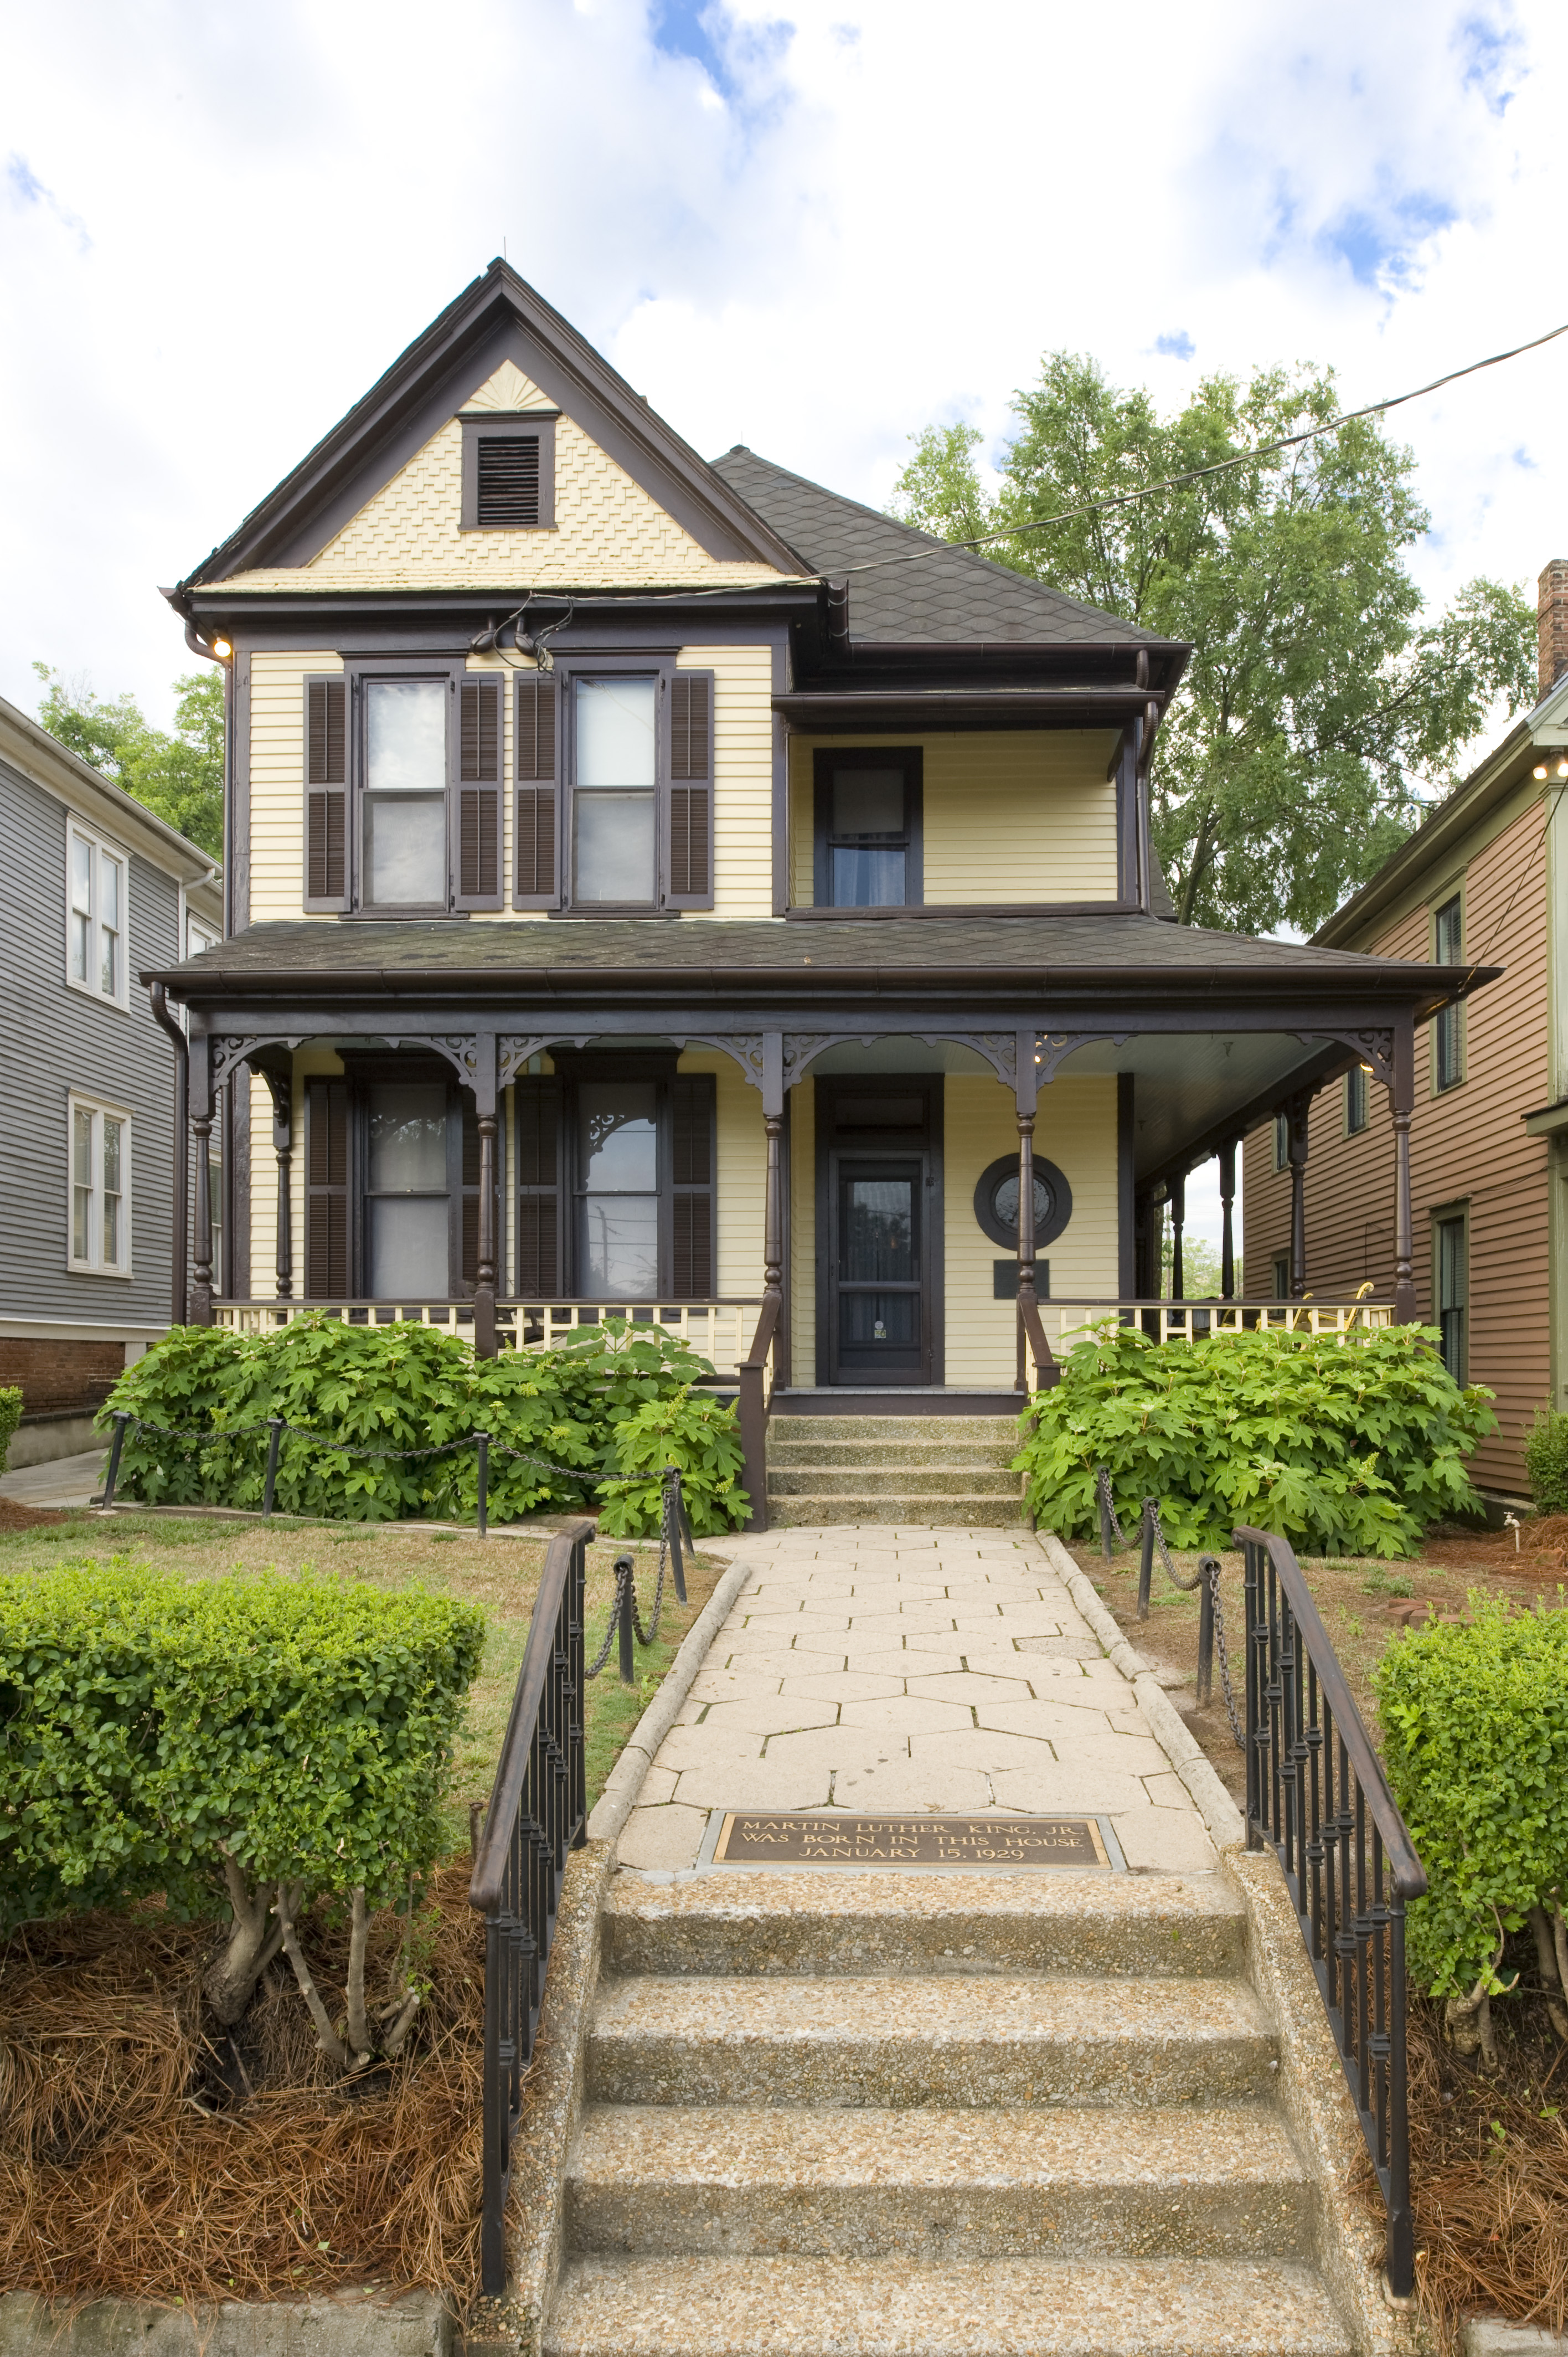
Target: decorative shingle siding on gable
609 529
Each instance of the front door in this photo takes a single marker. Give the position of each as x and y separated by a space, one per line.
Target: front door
879 1241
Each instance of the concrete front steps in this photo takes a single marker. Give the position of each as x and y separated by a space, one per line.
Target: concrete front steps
949 1471
855 2115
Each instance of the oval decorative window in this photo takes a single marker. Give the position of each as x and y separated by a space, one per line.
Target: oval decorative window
996 1201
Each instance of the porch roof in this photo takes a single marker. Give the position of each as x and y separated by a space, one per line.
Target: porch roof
1111 961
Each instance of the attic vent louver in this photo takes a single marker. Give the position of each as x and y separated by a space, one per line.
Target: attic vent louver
509 479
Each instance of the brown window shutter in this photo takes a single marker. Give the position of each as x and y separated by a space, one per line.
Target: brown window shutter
689 867
478 847
470 1272
691 1142
536 883
326 793
541 1271
327 1190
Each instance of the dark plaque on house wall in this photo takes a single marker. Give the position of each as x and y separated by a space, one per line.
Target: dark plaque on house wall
763 1838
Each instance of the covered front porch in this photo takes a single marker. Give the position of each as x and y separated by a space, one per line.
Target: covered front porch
904 1180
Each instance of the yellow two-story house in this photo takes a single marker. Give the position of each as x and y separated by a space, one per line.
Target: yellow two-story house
672 888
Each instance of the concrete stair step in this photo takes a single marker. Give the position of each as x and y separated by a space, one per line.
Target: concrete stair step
924 2185
838 2307
884 1430
794 1448
889 2041
818 1510
1157 1927
791 1479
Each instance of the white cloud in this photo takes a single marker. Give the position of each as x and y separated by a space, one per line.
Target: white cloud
224 224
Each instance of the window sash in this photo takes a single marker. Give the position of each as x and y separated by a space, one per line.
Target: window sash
96 913
403 797
1357 1107
99 1183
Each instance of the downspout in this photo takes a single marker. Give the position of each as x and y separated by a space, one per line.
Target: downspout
180 1260
199 646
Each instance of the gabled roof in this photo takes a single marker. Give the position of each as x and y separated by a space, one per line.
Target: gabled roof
105 803
948 596
498 317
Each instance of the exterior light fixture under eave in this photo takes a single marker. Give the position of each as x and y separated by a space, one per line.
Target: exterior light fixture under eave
222 649
1542 769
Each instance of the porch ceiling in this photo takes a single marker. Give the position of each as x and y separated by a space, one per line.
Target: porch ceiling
1190 1082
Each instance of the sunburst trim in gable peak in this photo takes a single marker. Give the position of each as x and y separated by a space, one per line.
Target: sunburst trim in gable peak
609 529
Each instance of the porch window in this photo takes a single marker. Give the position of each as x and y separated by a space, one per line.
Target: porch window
405 793
95 923
1451 1272
392 1186
616 1188
1447 949
614 781
868 836
100 1153
406 1220
1281 1276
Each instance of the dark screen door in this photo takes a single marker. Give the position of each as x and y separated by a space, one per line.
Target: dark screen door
878 1312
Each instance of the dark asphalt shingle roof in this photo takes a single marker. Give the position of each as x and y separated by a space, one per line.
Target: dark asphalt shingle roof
1062 947
952 599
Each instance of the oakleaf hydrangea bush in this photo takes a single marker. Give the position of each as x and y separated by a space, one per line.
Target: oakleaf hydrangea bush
694 1431
411 1386
1475 1718
1345 1448
243 1748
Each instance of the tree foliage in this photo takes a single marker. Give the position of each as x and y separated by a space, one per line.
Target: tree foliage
178 777
1322 708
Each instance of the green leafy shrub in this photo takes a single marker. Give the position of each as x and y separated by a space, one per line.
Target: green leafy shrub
1475 1718
1546 1462
1342 1448
245 1748
10 1416
694 1431
393 1388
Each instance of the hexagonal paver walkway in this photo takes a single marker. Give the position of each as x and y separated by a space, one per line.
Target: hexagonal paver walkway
869 1667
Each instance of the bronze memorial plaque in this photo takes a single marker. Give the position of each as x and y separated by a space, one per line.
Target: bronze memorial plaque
764 1838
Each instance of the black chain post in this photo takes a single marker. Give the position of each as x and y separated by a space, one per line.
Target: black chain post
1207 1568
482 1451
625 1605
1146 1560
673 1526
1106 1548
113 1475
274 1442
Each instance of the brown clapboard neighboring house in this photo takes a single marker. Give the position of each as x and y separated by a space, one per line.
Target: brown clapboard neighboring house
1484 880
671 887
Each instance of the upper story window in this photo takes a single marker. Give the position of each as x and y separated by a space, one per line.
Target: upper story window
868 831
95 916
508 472
1357 1102
200 937
614 790
100 1151
1447 949
402 788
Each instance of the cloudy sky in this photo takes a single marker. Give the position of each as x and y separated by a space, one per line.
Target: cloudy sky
811 227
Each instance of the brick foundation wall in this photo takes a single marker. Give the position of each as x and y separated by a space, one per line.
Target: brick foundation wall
58 1376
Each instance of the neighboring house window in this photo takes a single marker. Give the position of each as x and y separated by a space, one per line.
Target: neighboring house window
868 829
1447 948
1281 1276
508 472
1281 1141
616 1189
1451 1272
199 937
100 1149
1358 1108
95 943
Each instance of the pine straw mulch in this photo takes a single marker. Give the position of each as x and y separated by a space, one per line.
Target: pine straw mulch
1488 2165
144 2154
15 1516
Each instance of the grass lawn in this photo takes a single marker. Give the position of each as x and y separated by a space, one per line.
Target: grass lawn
500 1574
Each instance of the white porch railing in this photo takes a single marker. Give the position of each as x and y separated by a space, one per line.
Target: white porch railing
1069 1321
720 1332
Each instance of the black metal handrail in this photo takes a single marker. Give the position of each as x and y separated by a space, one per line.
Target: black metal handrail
537 1813
1317 1793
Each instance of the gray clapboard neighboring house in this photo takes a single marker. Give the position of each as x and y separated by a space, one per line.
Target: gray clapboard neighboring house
93 889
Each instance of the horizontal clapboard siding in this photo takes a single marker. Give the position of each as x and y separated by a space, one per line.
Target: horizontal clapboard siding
1467 1143
277 781
743 776
53 1040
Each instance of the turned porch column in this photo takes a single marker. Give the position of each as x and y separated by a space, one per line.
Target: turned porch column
282 1093
1026 1096
1402 1104
202 1111
179 1170
1296 1113
1227 1233
753 1401
1175 1194
485 1272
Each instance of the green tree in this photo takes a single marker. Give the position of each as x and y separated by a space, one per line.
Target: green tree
181 777
1321 710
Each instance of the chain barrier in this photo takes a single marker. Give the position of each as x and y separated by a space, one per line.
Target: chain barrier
625 1620
1211 1619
